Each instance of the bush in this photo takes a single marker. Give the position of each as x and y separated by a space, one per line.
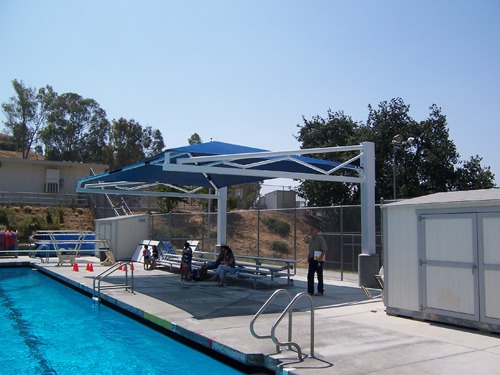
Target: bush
48 217
179 235
281 247
32 224
232 203
277 226
5 216
60 212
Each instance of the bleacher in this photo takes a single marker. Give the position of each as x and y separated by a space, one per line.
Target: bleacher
247 267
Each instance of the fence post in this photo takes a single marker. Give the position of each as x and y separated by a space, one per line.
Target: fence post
342 243
258 232
295 237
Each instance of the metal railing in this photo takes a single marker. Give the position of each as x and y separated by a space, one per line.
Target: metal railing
251 233
288 310
122 266
43 199
49 243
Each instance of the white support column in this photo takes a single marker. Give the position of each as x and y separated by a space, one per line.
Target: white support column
368 199
221 216
368 261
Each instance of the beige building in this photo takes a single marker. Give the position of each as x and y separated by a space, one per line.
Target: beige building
279 199
35 175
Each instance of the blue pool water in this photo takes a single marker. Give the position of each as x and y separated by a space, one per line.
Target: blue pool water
48 328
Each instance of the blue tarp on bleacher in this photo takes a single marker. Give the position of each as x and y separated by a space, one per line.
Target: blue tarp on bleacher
66 241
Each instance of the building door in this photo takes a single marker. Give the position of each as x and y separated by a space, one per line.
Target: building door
489 266
448 253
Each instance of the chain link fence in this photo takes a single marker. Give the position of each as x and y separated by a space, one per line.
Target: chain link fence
274 233
43 199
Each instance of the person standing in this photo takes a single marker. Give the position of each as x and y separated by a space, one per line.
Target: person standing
187 257
316 258
146 254
154 258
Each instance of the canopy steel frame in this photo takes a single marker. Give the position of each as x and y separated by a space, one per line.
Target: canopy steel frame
259 165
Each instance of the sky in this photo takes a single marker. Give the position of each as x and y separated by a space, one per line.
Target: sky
248 72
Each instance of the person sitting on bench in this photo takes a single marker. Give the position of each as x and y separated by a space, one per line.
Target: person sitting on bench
212 265
227 264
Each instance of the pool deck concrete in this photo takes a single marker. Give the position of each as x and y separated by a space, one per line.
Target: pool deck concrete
352 333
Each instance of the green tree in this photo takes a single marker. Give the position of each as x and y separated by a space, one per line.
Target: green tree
26 114
168 204
77 130
384 123
126 142
471 175
428 164
434 157
336 130
245 195
195 139
154 140
130 142
7 142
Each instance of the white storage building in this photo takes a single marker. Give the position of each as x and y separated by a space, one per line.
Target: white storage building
123 233
442 258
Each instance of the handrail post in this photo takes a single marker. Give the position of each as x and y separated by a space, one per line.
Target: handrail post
261 310
109 271
289 310
312 328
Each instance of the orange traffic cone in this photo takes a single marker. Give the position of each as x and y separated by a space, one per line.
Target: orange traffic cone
75 267
90 267
124 267
132 266
121 267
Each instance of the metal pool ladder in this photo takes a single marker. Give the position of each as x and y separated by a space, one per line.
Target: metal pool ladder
121 266
288 309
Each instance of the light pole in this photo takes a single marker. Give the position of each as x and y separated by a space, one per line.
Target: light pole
397 141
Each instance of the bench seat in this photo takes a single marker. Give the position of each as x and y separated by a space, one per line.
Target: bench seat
245 269
172 260
242 274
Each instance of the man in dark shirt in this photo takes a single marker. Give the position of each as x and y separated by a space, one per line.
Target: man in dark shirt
316 257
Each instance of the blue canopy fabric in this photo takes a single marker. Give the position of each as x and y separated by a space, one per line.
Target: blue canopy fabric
150 170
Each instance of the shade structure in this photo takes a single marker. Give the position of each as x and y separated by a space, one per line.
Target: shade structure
217 165
228 164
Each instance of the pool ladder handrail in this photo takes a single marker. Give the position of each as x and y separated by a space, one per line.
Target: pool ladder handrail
288 309
33 252
115 267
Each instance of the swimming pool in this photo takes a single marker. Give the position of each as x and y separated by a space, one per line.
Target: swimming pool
48 328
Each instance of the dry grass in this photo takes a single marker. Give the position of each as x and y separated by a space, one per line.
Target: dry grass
242 235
